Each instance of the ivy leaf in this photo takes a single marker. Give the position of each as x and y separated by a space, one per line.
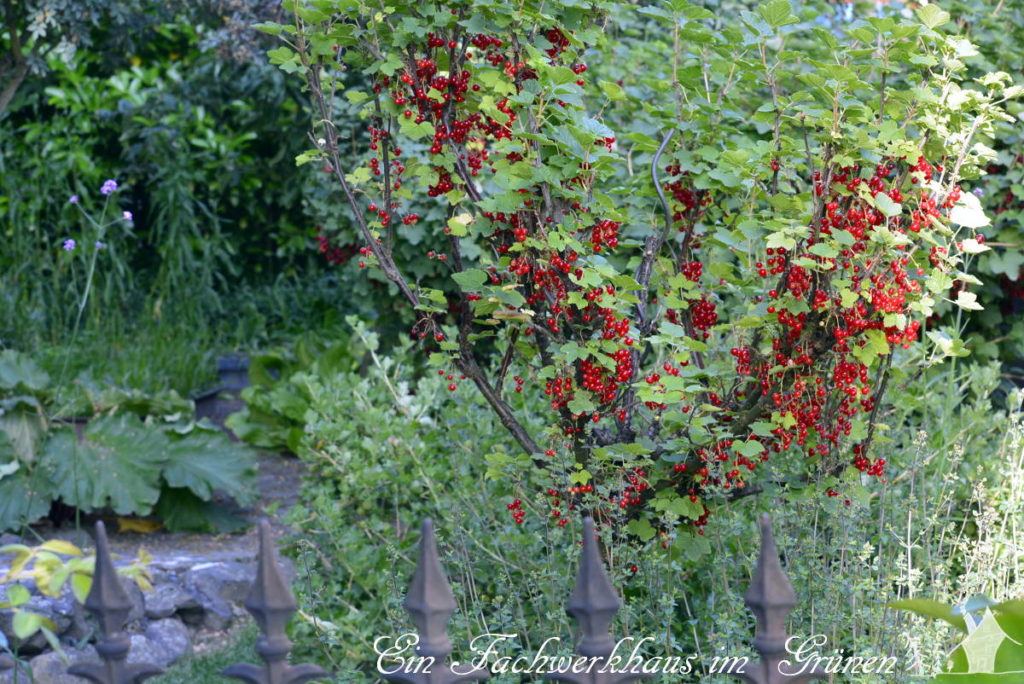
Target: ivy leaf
117 464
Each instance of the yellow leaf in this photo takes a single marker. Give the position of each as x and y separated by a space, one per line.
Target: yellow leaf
138 525
62 547
26 624
80 585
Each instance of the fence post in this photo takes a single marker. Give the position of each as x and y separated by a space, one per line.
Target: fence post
109 603
771 598
593 604
271 602
430 603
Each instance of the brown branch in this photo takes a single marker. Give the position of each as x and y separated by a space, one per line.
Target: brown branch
466 360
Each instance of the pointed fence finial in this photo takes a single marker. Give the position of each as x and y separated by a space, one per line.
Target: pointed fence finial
109 603
430 603
593 605
271 602
771 598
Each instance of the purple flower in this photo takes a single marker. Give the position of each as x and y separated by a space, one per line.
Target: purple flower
127 215
100 245
73 199
69 245
109 186
978 192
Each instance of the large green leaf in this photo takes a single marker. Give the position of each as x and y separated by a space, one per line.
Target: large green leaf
931 609
19 372
22 420
182 511
205 459
117 465
25 496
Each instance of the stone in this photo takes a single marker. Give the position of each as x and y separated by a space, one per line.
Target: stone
172 636
51 668
217 586
164 642
167 599
138 599
229 580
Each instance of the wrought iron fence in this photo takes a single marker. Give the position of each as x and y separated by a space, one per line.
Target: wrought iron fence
430 603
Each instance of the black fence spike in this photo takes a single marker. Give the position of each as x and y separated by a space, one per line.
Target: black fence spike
271 603
109 603
593 604
771 598
430 603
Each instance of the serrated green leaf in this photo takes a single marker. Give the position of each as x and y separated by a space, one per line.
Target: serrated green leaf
777 13
932 16
205 460
25 497
471 279
116 465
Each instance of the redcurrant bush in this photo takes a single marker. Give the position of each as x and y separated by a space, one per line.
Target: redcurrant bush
699 250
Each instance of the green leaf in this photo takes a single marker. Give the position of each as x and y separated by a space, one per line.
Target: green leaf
22 428
968 212
20 373
887 206
116 465
641 528
777 13
80 585
968 300
25 497
17 595
182 511
26 624
613 91
931 609
581 403
206 460
457 224
749 448
823 250
933 17
471 279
